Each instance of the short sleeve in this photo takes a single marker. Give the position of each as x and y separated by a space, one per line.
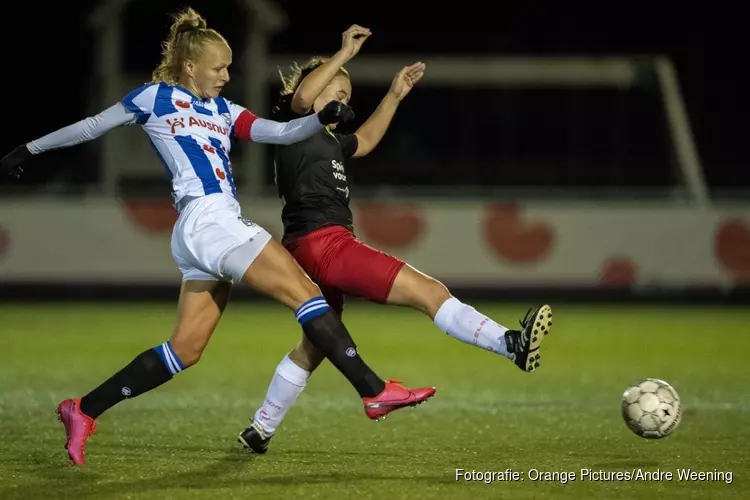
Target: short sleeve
349 144
141 102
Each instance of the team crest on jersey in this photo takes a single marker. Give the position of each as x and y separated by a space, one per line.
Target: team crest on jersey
227 118
246 221
174 123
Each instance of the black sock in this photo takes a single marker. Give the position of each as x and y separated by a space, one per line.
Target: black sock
329 335
147 371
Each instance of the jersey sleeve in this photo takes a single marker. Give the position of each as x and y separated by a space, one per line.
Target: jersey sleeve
85 130
349 144
141 102
247 126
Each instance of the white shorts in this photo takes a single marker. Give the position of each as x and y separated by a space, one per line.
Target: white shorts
208 231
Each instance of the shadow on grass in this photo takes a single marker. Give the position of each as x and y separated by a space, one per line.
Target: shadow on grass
233 470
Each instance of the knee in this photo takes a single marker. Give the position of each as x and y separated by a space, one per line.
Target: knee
305 289
418 291
187 348
312 289
431 294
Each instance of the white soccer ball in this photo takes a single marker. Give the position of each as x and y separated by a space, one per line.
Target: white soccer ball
651 408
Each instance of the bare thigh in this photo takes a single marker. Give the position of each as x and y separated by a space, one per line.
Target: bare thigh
276 274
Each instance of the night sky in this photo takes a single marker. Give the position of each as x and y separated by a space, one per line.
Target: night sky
49 53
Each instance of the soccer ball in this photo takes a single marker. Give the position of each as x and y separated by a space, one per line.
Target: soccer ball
651 408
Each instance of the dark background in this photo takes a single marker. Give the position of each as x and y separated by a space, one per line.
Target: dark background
557 137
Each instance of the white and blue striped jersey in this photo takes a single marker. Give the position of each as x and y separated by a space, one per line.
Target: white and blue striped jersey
191 136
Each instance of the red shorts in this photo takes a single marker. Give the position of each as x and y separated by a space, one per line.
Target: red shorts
341 265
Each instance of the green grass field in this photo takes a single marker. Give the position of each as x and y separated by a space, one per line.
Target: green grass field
178 442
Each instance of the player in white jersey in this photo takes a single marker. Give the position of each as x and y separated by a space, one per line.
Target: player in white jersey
191 128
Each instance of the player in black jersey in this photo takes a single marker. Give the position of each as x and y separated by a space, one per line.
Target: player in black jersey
318 232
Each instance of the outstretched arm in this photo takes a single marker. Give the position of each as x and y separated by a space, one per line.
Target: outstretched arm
82 131
267 131
373 130
85 130
249 127
314 84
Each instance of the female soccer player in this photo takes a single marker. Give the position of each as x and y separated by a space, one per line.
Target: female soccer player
318 231
190 127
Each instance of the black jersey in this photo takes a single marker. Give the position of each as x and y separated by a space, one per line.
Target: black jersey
311 178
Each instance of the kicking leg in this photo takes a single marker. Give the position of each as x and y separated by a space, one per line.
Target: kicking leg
199 309
462 322
275 273
363 271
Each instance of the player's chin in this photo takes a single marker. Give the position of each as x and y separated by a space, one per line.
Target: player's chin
333 126
215 91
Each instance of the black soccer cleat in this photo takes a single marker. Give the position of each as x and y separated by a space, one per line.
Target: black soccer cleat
525 344
254 439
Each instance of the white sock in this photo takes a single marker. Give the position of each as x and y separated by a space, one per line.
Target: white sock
286 385
464 323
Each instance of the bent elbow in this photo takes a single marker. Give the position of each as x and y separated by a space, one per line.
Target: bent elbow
301 104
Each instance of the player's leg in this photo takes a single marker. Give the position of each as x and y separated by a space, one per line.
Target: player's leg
319 254
200 306
462 322
289 380
292 373
273 272
363 271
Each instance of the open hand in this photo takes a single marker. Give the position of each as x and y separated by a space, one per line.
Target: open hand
406 79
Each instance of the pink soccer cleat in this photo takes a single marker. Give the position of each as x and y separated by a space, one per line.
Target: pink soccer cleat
393 397
78 428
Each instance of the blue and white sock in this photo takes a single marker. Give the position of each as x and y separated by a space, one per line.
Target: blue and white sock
170 358
147 371
329 335
311 309
464 323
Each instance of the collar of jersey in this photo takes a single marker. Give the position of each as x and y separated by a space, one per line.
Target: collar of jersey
180 87
330 132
